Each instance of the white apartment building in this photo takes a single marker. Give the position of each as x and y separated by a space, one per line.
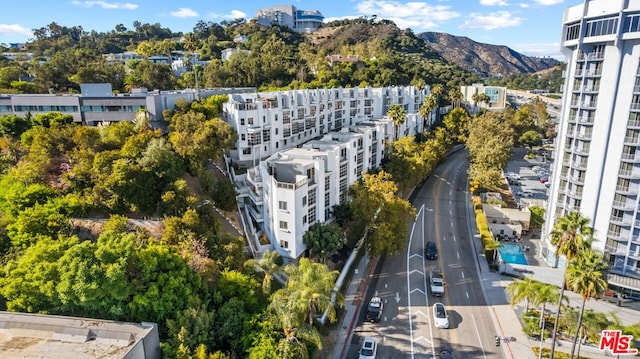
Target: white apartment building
497 96
271 122
597 156
293 189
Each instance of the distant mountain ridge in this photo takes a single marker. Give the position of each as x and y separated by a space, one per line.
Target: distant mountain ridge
485 59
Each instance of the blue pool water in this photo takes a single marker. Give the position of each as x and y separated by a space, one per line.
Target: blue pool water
512 253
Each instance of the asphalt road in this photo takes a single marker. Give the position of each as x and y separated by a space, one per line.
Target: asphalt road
406 329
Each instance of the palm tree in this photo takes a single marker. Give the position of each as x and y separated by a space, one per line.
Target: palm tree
437 90
456 96
571 234
545 293
307 293
520 290
269 265
398 115
476 98
586 276
430 103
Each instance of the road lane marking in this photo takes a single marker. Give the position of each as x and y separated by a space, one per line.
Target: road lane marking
462 273
458 254
484 355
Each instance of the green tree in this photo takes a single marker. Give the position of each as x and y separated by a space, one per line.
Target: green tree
523 290
531 138
586 276
199 139
398 115
323 240
430 104
571 235
269 265
456 96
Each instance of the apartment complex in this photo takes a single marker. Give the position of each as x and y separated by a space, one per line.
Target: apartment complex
271 122
97 103
497 96
288 15
597 157
304 149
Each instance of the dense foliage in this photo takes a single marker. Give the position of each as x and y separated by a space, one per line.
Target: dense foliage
272 58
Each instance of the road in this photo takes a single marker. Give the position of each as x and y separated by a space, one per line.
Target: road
406 329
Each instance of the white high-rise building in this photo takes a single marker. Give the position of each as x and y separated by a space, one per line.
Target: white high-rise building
597 156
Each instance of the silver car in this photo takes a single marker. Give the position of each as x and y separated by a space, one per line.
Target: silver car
440 316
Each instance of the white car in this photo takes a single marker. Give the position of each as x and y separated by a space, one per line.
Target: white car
369 349
525 193
440 316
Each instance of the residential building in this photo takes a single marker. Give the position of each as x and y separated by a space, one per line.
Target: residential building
497 96
293 189
97 103
597 157
271 122
288 15
225 54
304 149
24 335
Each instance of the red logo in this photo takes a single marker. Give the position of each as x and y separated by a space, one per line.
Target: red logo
616 342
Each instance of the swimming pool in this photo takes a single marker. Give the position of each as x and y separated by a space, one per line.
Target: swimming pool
512 253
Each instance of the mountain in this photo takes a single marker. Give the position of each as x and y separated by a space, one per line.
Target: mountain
482 58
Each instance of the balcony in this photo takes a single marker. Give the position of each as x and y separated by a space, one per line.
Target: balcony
628 174
632 140
617 236
635 106
590 104
582 151
625 190
621 221
580 165
584 136
586 120
630 157
623 205
618 251
633 124
593 73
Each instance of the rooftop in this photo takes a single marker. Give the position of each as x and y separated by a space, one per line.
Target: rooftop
24 335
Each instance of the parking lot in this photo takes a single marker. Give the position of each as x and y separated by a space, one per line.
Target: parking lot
528 184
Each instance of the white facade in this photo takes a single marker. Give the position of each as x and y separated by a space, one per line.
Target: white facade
295 188
597 157
497 96
270 122
288 15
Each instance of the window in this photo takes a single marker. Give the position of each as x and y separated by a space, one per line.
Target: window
282 205
284 244
304 219
304 200
573 31
243 137
250 120
284 225
242 122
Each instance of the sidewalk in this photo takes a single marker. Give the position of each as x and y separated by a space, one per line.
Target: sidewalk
352 303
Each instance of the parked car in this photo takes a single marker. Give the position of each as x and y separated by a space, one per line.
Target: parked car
431 252
369 349
440 316
445 354
544 179
525 193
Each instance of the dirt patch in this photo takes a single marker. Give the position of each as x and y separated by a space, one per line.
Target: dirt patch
90 229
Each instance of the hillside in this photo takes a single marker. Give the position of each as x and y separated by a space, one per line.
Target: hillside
484 58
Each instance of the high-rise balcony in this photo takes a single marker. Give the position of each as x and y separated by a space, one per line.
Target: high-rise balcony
629 174
623 205
587 120
630 157
633 124
621 221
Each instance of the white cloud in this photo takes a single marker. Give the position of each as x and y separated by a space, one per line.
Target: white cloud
183 12
493 3
524 5
491 21
234 14
106 5
414 14
15 29
548 2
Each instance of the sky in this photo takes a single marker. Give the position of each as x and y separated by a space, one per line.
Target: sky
531 27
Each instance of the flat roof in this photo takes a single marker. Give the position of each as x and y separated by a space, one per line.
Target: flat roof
24 335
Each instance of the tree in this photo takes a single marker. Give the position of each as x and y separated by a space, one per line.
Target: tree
306 294
571 235
398 115
456 96
430 103
323 240
586 276
198 139
531 138
270 265
379 214
523 290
